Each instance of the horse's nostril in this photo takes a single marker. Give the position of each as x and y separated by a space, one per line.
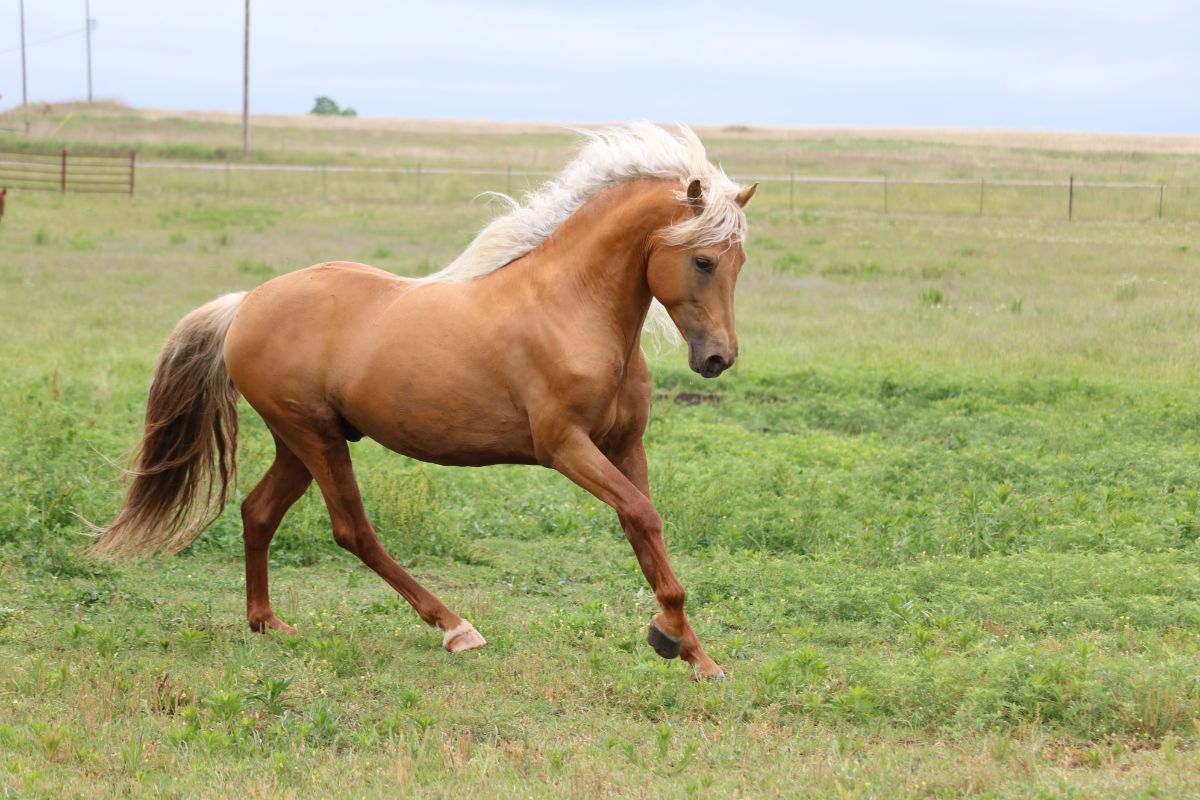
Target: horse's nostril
714 364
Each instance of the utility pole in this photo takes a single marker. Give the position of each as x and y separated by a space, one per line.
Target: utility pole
87 32
24 89
246 85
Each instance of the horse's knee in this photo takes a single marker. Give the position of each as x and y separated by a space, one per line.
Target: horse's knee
645 519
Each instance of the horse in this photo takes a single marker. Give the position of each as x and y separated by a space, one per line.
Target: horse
526 349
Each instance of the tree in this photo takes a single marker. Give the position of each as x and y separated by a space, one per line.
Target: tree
326 107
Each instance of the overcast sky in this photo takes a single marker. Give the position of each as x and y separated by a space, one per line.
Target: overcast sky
1094 65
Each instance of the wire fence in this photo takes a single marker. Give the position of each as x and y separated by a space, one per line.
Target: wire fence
64 171
1065 198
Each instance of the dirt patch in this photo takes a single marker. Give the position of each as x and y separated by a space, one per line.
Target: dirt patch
696 399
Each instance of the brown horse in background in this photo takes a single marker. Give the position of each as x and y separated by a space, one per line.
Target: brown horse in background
525 350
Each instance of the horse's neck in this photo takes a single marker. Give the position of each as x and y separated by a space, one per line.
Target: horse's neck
599 254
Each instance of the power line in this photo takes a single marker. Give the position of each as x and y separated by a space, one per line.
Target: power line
42 41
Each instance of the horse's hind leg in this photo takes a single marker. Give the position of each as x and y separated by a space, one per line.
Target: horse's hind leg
328 459
262 512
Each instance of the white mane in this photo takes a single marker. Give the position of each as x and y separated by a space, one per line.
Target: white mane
611 155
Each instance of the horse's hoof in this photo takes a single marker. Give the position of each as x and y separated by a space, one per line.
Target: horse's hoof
663 643
272 624
461 637
715 674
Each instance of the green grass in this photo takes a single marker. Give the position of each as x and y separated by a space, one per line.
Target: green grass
940 525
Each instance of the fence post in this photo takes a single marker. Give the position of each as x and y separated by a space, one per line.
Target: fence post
132 169
981 184
63 173
1071 199
1160 199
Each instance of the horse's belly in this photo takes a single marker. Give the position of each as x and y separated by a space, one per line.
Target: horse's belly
458 441
449 416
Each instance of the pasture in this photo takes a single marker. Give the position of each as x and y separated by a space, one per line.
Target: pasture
940 524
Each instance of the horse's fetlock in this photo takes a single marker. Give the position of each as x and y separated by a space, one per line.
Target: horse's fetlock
671 597
258 618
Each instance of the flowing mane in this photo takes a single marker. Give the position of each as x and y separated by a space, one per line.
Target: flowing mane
611 156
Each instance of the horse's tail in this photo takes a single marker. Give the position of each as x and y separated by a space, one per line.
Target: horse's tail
188 453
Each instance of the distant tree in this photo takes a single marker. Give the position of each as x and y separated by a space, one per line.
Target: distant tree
326 107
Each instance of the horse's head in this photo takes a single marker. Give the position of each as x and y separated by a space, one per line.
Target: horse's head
692 270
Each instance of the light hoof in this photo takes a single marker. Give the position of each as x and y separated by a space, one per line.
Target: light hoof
462 637
708 672
663 643
272 624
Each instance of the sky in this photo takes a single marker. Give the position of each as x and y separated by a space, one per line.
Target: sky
1083 65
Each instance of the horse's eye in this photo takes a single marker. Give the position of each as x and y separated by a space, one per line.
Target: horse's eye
704 263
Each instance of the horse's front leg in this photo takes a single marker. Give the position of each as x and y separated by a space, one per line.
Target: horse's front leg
631 461
575 455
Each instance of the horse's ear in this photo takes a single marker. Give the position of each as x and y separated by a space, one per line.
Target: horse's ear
744 195
695 195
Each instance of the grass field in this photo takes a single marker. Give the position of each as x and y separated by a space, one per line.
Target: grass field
940 524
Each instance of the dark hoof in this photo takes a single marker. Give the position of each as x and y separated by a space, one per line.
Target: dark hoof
664 644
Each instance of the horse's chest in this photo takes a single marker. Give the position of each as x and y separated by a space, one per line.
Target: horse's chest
617 407
607 421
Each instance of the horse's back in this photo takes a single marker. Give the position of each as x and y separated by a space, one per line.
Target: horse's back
342 282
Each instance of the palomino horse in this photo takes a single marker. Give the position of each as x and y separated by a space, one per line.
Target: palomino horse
524 350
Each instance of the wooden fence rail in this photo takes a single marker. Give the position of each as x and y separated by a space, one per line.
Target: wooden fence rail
64 171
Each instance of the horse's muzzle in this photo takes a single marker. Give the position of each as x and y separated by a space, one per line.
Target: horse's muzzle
707 361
